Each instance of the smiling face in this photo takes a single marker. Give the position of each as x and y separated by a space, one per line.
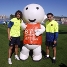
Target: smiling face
33 13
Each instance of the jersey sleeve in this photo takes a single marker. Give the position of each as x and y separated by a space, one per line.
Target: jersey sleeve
10 24
56 31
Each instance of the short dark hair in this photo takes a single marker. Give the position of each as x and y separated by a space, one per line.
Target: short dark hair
50 14
18 11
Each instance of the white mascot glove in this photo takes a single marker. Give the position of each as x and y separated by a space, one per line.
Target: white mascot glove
40 31
23 25
37 32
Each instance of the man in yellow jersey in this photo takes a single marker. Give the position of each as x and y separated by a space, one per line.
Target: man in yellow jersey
14 35
51 35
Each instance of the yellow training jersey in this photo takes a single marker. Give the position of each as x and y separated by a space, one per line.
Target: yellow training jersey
15 29
51 26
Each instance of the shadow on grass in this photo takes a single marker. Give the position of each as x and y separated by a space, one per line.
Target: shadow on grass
62 65
43 53
62 32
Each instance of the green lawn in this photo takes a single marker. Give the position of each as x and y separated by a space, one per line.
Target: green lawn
61 51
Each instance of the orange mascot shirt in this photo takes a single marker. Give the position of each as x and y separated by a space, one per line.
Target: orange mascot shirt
29 35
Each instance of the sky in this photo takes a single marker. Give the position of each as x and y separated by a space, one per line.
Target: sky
57 7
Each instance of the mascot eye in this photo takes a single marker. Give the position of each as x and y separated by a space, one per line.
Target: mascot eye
37 8
26 8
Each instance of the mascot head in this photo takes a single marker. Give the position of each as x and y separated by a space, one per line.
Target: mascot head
33 13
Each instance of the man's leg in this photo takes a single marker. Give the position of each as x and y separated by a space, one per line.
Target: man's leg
16 52
47 52
16 47
54 54
9 54
10 51
47 49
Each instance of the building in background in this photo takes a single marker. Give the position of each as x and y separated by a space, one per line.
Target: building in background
61 20
3 17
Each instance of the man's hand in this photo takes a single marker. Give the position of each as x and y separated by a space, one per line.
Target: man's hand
55 42
9 38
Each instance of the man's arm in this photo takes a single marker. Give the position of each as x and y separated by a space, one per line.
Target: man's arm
9 27
8 31
56 32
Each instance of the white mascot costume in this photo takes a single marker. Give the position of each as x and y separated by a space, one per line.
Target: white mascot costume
33 15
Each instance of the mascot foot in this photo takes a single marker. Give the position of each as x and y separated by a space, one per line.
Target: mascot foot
37 58
23 57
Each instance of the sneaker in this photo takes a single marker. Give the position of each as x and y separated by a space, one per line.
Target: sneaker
46 57
54 61
9 61
16 57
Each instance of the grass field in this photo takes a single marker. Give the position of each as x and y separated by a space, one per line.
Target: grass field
61 51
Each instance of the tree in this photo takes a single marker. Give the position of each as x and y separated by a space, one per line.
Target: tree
12 16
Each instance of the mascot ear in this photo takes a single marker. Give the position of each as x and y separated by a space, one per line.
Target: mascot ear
45 18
